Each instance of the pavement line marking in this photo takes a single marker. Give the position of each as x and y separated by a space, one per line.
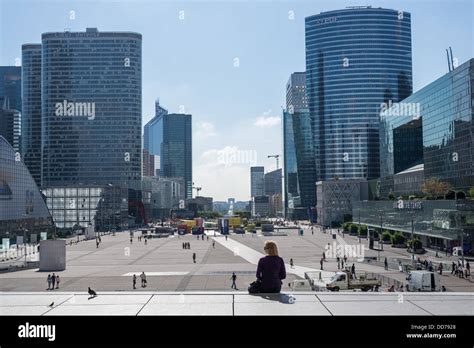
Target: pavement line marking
420 307
254 256
153 274
51 308
320 301
144 305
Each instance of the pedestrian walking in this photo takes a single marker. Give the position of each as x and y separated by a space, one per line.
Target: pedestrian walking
312 231
100 240
226 237
400 266
49 281
207 238
324 256
234 278
291 263
453 268
131 240
146 241
342 264
53 280
385 264
202 237
468 268
194 257
321 263
353 271
143 277
183 245
440 269
345 258
214 244
57 281
134 281
97 244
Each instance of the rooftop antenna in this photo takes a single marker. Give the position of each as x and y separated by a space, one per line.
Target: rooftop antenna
452 60
449 64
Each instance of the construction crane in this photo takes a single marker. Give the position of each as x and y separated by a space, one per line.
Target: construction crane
276 157
197 189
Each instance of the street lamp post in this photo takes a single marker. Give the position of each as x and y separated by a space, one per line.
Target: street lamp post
412 242
381 224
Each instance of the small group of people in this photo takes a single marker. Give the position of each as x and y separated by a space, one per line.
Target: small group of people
143 280
461 269
53 280
186 245
340 262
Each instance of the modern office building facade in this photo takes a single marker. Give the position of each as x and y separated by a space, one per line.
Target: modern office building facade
273 182
10 124
10 85
23 211
162 195
168 137
257 181
91 121
356 59
433 127
298 151
153 134
31 109
176 148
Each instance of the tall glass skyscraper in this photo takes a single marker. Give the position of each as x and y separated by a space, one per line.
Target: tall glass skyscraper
298 152
356 59
173 135
151 134
31 109
169 136
91 95
257 181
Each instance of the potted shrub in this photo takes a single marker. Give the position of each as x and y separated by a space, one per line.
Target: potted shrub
362 231
386 237
354 229
398 240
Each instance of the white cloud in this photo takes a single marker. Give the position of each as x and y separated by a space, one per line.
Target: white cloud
270 121
229 157
205 130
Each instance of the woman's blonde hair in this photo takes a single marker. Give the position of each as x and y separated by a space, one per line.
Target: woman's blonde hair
271 248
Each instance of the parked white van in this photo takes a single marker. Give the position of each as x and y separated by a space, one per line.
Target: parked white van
423 281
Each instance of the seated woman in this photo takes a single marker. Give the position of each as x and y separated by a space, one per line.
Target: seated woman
271 269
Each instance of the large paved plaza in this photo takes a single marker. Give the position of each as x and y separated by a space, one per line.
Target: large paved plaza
169 267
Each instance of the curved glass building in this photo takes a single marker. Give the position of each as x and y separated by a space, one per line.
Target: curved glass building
91 103
357 59
22 207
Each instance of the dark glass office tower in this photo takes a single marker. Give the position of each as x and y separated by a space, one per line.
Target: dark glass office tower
298 152
31 109
174 139
356 59
91 118
10 85
257 181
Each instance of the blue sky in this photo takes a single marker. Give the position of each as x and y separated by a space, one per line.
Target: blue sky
227 63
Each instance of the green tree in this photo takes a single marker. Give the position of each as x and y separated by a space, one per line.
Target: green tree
435 188
398 238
